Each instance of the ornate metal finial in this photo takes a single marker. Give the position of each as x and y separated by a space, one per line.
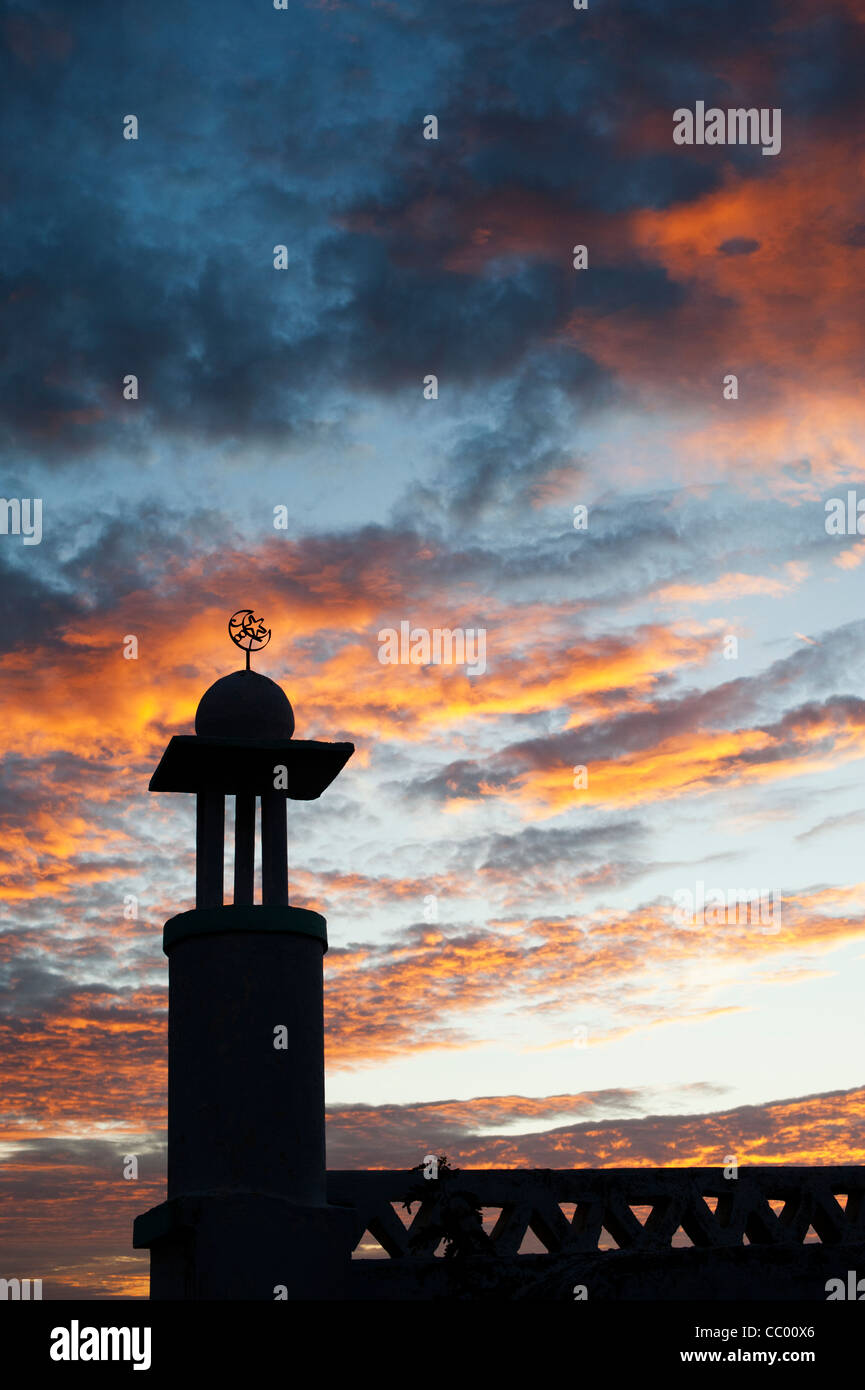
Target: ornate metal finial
248 632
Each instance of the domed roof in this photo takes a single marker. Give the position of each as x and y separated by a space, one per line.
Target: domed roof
244 705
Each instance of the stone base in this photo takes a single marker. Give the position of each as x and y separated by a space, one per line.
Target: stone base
244 1246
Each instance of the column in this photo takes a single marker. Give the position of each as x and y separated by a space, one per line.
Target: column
274 850
209 848
244 848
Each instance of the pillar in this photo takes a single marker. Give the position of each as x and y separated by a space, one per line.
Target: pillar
209 848
246 1216
244 849
274 850
243 1113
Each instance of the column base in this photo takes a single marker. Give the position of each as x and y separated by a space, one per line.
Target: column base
244 1246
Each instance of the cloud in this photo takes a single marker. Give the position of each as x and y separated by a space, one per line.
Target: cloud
809 1130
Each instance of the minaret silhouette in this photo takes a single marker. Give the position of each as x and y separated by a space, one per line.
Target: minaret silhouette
246 1215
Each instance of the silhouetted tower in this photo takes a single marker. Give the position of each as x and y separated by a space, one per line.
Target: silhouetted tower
246 1212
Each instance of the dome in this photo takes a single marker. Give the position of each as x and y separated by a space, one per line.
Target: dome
244 705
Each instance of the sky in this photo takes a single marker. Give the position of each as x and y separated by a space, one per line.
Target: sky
623 476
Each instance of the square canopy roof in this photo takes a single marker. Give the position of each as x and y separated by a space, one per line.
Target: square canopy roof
232 765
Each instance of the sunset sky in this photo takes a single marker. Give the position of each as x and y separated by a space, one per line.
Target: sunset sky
506 981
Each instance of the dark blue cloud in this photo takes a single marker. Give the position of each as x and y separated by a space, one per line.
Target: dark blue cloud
260 128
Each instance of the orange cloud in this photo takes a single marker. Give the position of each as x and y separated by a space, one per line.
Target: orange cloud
734 586
694 761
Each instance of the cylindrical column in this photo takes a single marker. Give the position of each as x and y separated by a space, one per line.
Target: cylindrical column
274 850
244 848
209 848
246 1062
